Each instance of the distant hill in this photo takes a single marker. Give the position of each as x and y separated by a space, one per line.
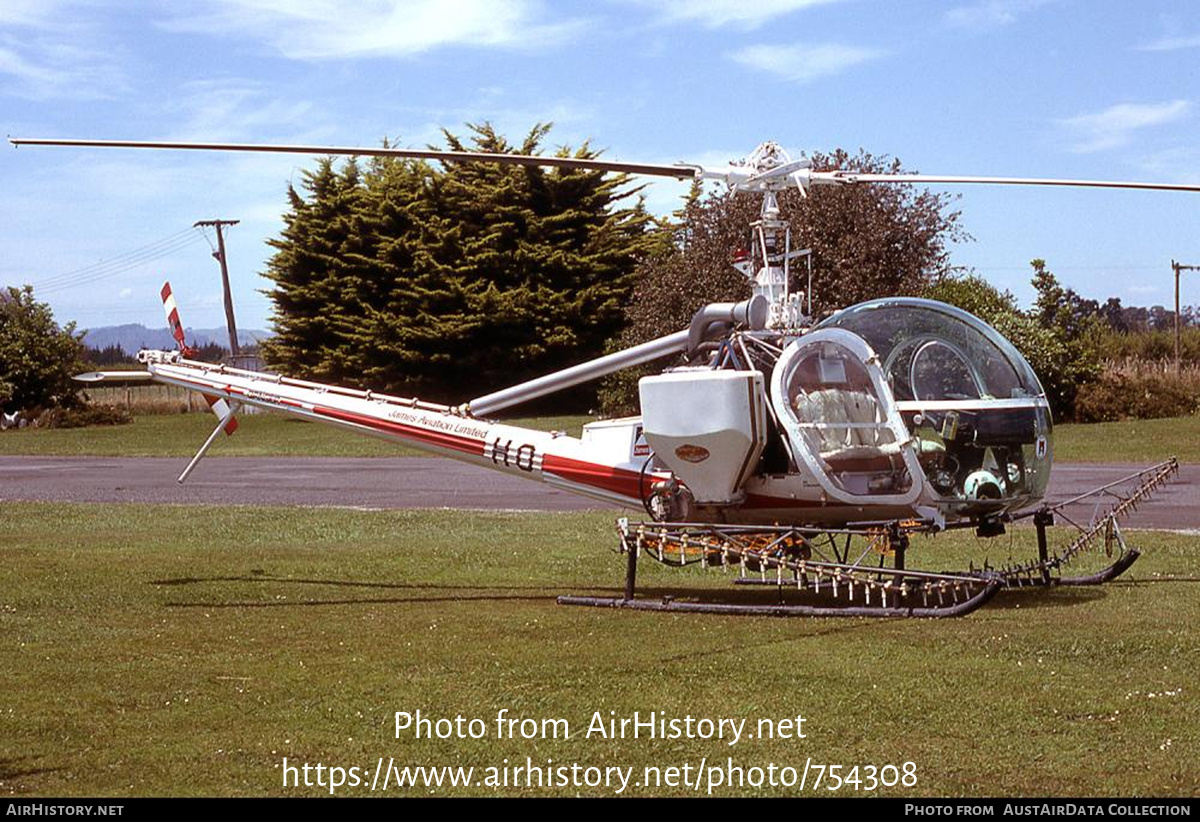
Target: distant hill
134 337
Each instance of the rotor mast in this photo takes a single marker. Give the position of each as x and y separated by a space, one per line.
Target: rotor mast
768 265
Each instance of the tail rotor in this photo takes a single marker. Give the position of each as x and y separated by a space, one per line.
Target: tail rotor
220 407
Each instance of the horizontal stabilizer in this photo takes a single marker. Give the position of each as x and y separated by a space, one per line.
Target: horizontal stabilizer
114 376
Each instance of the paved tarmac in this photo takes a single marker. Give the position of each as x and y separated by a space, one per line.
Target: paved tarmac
428 482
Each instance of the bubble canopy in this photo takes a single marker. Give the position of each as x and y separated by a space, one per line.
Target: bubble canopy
931 351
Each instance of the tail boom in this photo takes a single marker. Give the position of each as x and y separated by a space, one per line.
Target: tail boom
566 462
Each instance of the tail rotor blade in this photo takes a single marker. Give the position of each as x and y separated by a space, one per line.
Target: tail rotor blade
220 407
172 312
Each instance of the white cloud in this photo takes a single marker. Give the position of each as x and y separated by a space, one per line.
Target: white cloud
718 13
1172 43
987 14
23 68
802 63
51 50
323 29
234 109
1177 164
37 12
1116 126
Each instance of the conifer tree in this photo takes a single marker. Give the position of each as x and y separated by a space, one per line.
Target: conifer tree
447 282
318 261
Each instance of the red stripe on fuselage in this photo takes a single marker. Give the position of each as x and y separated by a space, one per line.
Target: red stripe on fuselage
441 439
595 475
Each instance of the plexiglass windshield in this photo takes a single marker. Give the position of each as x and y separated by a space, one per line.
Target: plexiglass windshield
933 351
973 406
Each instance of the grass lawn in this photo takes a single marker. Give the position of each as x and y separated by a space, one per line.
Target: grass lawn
1141 441
179 435
153 650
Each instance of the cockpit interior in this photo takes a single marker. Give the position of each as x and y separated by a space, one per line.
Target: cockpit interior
882 375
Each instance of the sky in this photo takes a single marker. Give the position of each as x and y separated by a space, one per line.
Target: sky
1087 89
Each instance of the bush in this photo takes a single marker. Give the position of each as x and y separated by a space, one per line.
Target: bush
82 416
1148 345
1130 395
37 357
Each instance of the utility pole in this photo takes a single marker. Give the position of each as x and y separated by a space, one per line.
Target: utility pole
1179 268
219 254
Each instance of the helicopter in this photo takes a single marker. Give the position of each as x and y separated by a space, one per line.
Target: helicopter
774 443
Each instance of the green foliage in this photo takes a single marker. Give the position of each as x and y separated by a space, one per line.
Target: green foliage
83 415
1117 396
975 296
314 263
449 282
1061 308
866 241
1056 343
1147 346
110 355
37 357
1074 322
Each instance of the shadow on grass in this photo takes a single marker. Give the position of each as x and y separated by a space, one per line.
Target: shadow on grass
343 583
20 766
471 593
1009 599
1034 598
1131 583
769 596
314 603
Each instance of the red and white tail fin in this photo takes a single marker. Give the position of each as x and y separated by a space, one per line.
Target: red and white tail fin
219 406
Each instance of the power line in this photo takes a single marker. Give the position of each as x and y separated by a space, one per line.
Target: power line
116 266
120 263
985 267
87 269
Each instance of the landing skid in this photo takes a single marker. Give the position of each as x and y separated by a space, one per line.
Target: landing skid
795 560
784 558
1123 497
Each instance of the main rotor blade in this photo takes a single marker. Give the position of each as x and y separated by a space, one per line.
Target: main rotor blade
850 177
682 172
